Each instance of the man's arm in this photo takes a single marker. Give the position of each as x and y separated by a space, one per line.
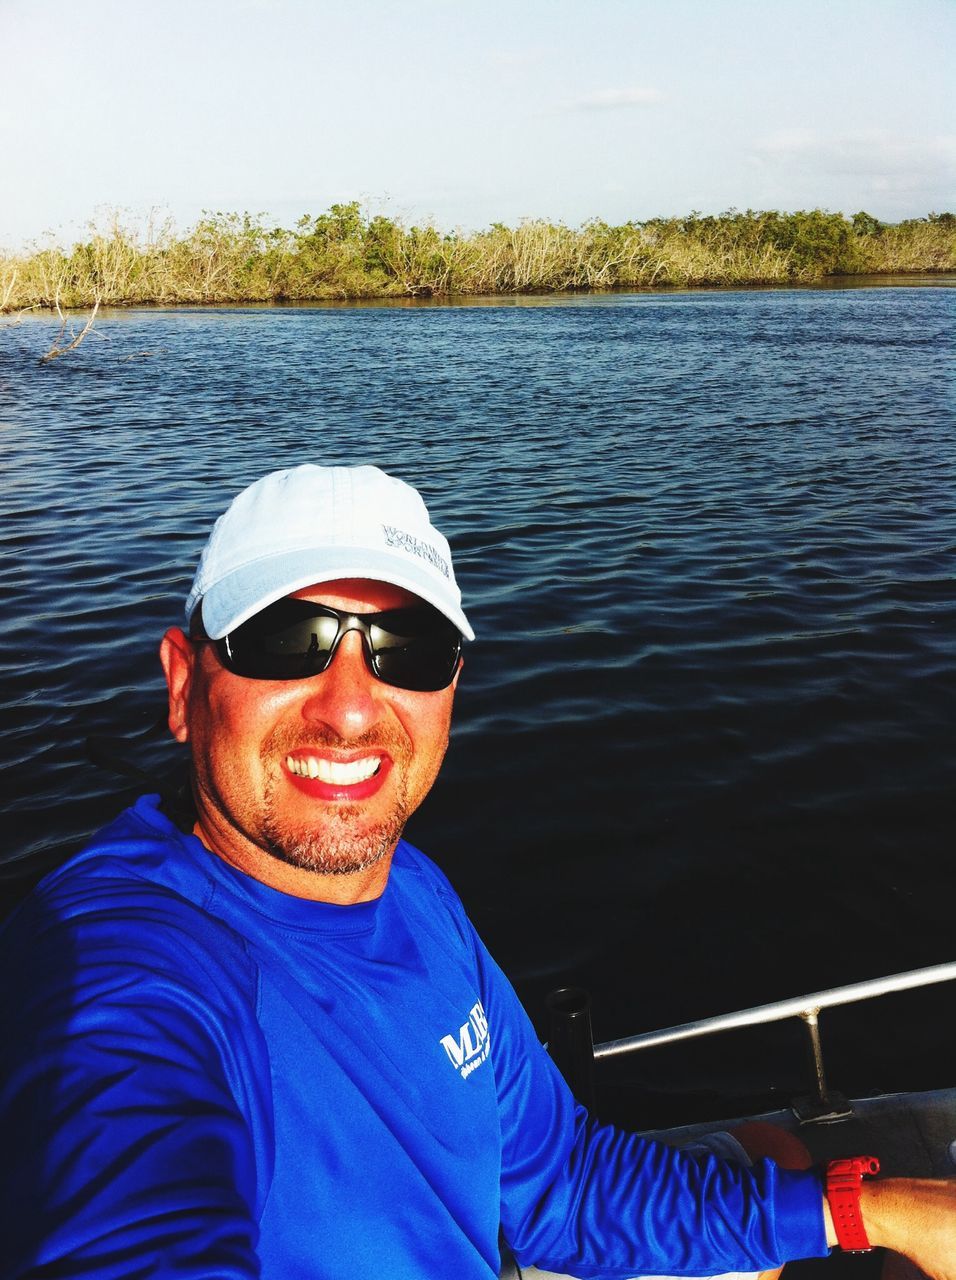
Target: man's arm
585 1198
613 1192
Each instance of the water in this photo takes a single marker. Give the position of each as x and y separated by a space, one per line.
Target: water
704 743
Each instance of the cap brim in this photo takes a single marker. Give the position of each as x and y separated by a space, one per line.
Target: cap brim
235 598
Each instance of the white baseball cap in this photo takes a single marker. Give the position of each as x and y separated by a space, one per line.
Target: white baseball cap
317 524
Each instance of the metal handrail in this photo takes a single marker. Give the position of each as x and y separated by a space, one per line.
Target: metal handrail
798 1007
822 1104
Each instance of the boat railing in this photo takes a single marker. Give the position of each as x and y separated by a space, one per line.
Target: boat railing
571 1047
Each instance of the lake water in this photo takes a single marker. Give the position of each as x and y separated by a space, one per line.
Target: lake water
704 747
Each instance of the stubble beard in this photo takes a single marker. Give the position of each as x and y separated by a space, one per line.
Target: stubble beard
342 847
341 842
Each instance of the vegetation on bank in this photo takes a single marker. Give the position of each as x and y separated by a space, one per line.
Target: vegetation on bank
346 254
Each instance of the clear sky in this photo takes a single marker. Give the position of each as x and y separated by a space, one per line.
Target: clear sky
470 113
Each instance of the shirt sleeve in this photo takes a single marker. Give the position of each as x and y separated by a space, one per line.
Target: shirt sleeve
590 1199
131 1132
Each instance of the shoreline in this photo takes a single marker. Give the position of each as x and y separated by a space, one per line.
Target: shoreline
526 297
344 256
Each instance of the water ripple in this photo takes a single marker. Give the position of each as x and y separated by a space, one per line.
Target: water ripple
707 544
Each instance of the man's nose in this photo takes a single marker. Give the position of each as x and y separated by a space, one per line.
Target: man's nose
344 696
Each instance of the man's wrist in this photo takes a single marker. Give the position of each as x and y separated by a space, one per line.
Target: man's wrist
887 1207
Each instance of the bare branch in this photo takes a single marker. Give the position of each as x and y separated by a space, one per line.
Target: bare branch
59 348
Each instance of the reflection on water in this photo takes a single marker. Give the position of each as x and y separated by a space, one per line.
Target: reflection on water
706 541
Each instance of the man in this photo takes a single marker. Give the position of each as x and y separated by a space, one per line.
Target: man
272 1043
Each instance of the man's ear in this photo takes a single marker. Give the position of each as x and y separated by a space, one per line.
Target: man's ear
178 657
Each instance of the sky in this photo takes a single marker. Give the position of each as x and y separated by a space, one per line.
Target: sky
464 114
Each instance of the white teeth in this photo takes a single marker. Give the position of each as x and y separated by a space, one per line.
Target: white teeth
337 772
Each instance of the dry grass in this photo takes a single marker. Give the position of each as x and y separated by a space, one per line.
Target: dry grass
913 246
344 254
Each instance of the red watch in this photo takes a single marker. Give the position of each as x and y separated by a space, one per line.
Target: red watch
844 1178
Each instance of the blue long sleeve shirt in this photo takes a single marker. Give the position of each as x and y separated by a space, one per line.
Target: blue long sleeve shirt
206 1077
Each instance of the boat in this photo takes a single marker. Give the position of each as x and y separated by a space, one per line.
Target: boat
912 1133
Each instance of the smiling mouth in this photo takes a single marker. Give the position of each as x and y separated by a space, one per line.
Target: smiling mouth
338 773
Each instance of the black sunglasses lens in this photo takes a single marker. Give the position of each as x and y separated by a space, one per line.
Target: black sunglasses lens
284 642
415 648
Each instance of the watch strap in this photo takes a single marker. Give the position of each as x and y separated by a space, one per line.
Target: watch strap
843 1181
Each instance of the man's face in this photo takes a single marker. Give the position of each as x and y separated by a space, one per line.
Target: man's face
297 781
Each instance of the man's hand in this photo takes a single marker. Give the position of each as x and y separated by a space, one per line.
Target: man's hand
915 1217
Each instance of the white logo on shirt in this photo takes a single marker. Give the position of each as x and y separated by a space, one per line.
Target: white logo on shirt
469 1049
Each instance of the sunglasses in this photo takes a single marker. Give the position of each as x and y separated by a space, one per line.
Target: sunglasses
413 648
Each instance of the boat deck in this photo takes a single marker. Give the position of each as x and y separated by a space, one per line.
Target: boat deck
914 1134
